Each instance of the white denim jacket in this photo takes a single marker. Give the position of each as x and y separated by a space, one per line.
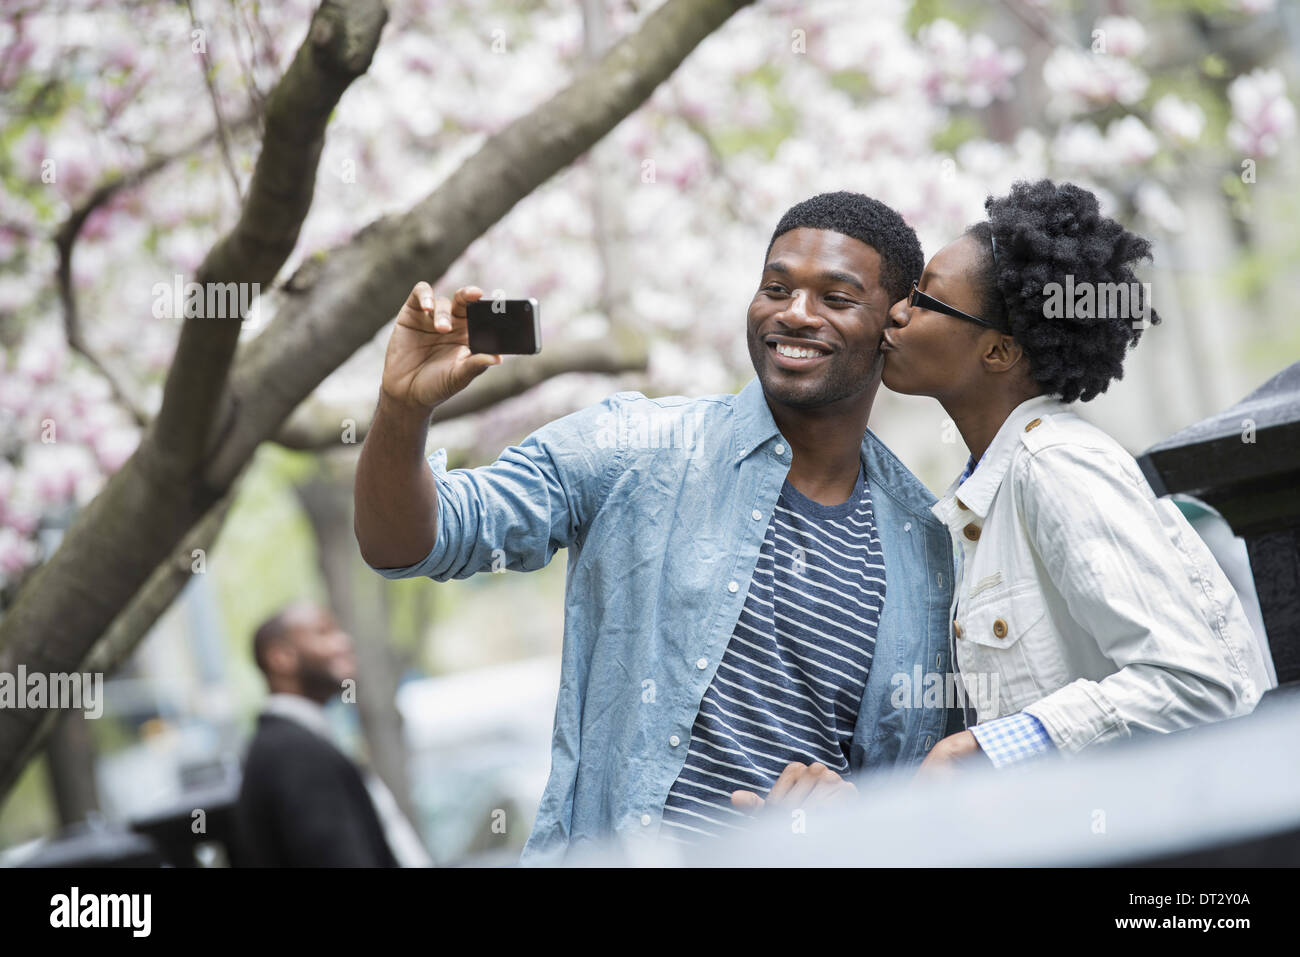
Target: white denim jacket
1083 599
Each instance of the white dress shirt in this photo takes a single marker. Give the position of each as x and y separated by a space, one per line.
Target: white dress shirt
1084 600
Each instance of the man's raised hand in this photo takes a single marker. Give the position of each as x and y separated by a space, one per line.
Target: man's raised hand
428 358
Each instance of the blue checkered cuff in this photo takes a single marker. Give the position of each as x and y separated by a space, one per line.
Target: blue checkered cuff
1013 738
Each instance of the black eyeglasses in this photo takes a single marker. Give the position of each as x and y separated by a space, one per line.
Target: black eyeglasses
921 300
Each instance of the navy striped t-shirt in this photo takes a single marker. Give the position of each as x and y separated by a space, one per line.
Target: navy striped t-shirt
790 683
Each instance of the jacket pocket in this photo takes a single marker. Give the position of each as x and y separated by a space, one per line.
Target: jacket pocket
1005 649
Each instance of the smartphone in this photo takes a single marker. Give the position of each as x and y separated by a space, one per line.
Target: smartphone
504 326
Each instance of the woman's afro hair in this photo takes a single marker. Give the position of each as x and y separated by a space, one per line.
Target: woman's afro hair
1046 232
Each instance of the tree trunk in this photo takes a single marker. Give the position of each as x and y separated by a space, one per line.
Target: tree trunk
214 416
70 759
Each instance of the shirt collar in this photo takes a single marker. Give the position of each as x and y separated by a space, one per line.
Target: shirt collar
754 422
302 710
755 426
976 493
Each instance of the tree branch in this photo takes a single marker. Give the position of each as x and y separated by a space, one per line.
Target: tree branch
65 240
166 582
139 616
339 300
316 426
145 508
200 441
223 137
338 48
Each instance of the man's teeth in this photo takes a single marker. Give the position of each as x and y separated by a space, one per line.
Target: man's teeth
796 353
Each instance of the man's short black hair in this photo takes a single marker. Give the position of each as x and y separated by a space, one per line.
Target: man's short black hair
866 220
269 633
1046 232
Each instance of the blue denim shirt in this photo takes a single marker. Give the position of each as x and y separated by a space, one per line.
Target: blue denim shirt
663 505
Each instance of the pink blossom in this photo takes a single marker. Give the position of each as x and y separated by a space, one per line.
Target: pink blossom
961 70
1179 120
1262 116
17 554
113 447
1122 36
1081 82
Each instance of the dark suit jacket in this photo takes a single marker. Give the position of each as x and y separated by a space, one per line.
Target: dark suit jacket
303 803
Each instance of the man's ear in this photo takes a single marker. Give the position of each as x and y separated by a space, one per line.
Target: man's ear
281 658
1002 353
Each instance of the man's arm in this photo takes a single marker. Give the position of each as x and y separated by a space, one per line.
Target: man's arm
427 362
395 496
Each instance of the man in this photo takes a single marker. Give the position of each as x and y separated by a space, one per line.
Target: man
302 802
728 629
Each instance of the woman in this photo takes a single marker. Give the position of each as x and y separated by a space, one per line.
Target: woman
1086 609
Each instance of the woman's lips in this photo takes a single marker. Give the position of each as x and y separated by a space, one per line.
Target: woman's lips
887 344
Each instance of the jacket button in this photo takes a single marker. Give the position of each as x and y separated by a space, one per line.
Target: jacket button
1033 423
1000 628
963 506
956 629
972 532
645 820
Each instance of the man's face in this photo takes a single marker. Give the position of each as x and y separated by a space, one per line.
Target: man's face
820 295
325 658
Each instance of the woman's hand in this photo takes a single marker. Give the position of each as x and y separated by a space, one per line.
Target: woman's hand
948 756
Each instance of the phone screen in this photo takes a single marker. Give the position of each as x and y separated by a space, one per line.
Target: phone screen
504 326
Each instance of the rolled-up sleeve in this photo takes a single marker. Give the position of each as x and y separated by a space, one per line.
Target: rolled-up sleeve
516 513
1132 577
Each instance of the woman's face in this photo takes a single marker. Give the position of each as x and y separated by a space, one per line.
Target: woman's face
930 353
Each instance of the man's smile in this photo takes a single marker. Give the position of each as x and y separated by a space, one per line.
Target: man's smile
796 354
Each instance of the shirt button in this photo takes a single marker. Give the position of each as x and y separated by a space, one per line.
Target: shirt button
972 532
674 741
702 663
956 629
1000 628
733 587
780 449
962 505
1032 424
907 526
645 820
756 515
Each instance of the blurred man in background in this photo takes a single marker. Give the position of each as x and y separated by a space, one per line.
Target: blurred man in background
303 802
